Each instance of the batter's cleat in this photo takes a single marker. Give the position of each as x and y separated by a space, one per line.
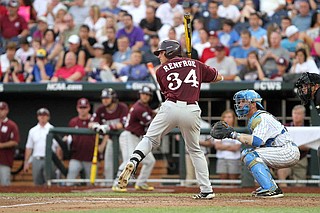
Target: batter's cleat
125 175
118 189
203 195
277 193
144 187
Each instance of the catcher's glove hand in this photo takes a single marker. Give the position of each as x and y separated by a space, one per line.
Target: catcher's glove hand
221 130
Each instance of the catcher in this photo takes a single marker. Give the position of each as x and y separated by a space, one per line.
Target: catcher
308 89
271 143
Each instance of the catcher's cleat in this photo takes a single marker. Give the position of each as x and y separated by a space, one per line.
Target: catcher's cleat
253 193
144 187
118 189
125 175
203 195
277 193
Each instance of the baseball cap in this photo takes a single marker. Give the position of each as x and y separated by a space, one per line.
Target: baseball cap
43 111
291 30
98 46
41 53
24 40
13 3
3 105
219 47
43 19
83 103
282 61
213 33
74 39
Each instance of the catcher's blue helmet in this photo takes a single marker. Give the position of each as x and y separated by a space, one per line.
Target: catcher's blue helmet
247 95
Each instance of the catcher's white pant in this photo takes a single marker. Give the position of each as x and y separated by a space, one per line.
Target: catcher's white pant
128 143
187 119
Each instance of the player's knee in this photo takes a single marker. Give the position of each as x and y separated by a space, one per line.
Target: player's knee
250 159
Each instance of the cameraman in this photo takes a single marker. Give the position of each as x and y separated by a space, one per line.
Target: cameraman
42 70
13 73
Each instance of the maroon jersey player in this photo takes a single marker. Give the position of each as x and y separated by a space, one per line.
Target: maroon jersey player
180 81
82 145
110 116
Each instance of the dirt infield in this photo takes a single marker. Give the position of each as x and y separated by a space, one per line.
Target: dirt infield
24 203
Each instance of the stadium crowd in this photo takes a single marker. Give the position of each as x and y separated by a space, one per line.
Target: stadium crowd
112 41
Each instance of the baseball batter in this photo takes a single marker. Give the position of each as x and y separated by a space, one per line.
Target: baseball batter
309 89
139 118
271 142
180 81
110 116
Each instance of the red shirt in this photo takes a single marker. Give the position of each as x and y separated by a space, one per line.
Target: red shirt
8 131
210 52
181 78
82 146
138 119
65 72
119 115
10 29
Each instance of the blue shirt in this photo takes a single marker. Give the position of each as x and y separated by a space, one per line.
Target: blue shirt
37 74
290 46
135 73
121 57
302 22
258 34
228 39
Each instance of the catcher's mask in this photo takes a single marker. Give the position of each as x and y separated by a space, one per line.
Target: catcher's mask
304 85
248 96
109 93
172 49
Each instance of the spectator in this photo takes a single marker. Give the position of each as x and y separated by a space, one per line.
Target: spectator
313 31
9 140
137 9
315 50
166 11
42 70
298 171
213 22
102 36
61 23
228 151
252 71
79 12
203 43
138 120
52 9
229 11
272 54
86 41
271 7
111 44
228 36
71 29
303 19
14 73
134 33
303 64
184 52
30 62
124 51
111 115
150 24
112 10
27 11
240 53
148 50
7 57
95 22
108 71
36 148
71 71
135 70
40 7
285 23
94 63
25 51
290 43
282 67
225 64
81 146
198 24
258 34
210 52
12 25
74 46
52 46
247 9
41 28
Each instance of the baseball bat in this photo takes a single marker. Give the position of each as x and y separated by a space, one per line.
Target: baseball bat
187 32
93 172
154 79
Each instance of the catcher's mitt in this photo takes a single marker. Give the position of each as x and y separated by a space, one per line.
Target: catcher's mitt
221 130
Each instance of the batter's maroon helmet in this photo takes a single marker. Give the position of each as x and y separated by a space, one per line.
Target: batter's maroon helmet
172 48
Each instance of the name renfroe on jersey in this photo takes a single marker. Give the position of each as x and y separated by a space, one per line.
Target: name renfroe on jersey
179 64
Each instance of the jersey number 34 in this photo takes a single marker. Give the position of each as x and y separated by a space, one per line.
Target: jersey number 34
176 82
